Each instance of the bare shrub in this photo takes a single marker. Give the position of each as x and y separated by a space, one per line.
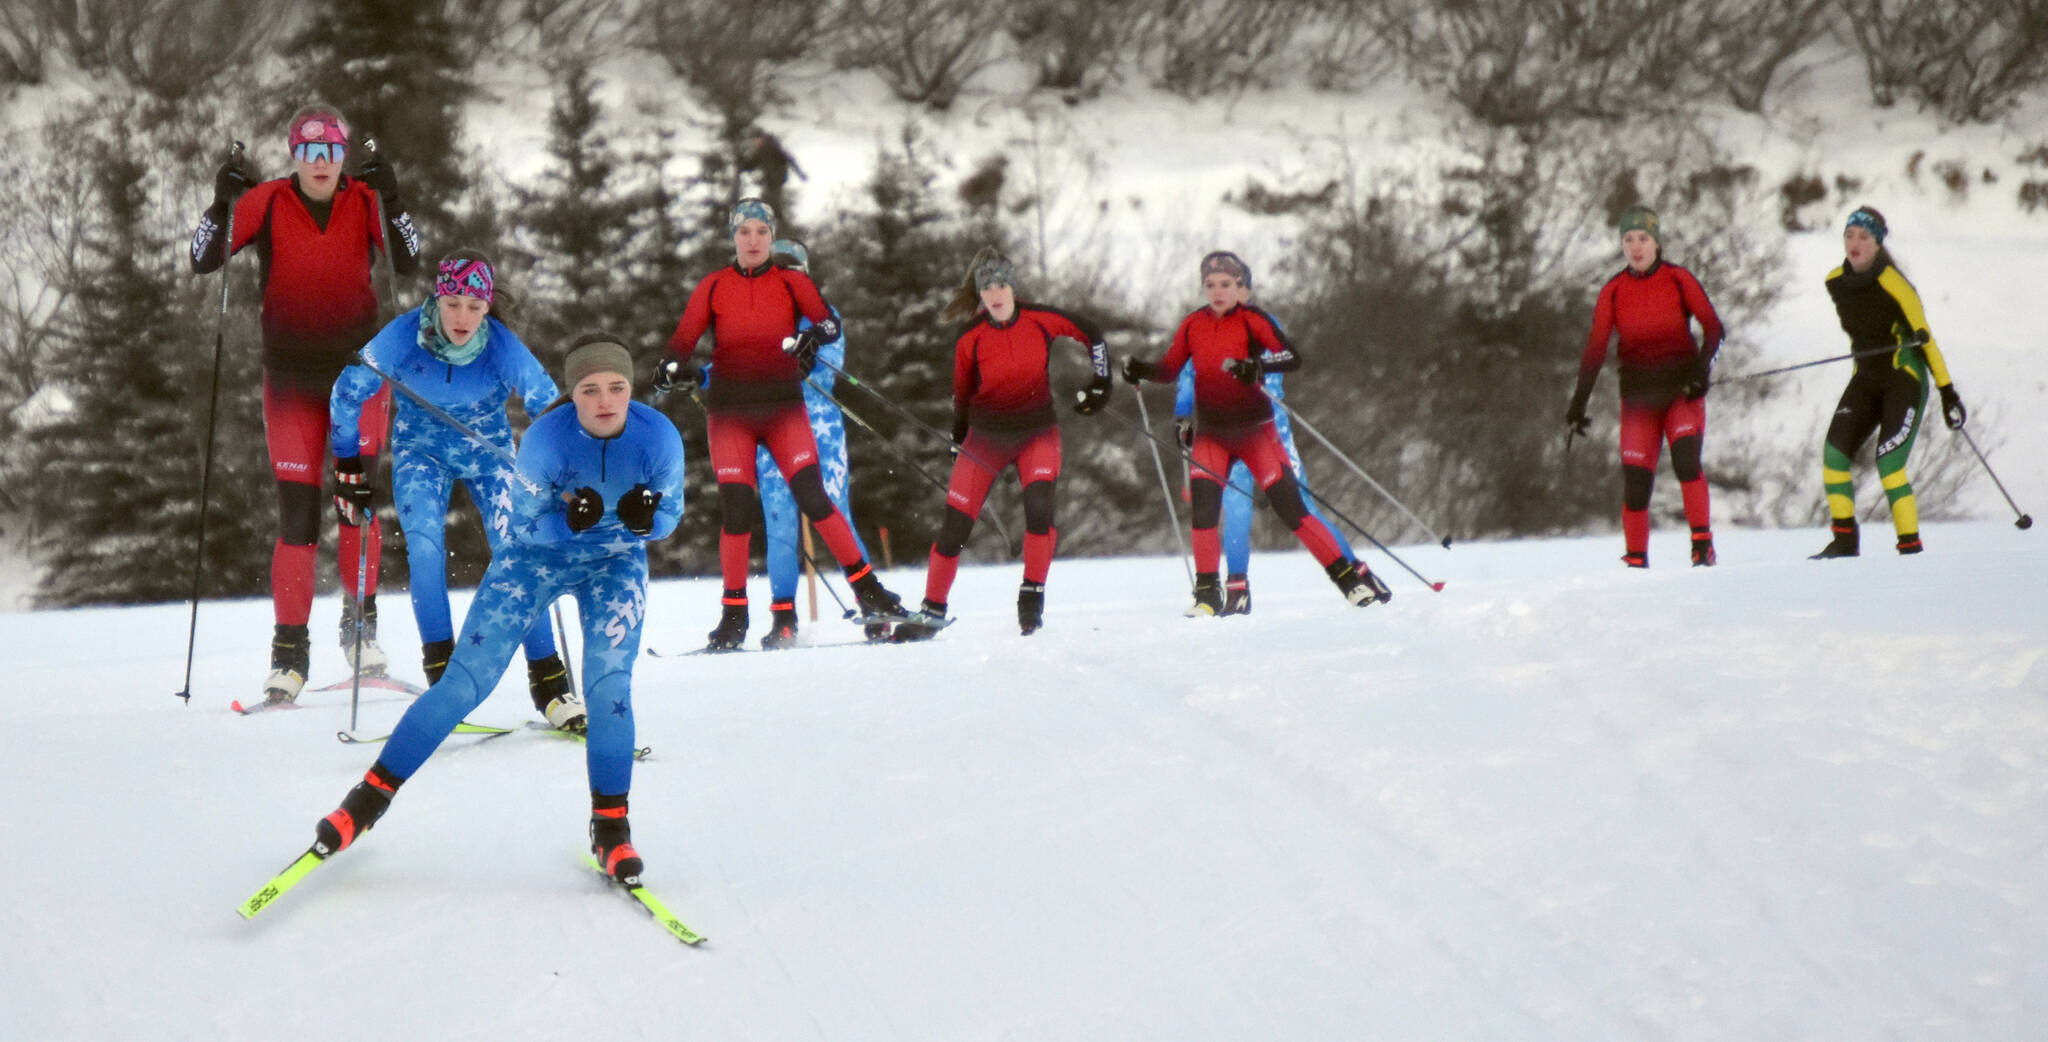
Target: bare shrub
729 53
1970 60
1744 47
1074 46
168 48
1798 191
925 50
1196 48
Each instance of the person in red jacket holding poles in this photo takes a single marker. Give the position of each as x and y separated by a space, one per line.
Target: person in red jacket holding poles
1232 346
751 309
1651 304
1003 414
317 233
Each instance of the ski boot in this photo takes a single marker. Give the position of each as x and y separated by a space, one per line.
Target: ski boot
291 655
872 598
547 680
1702 548
1237 596
1909 543
358 812
731 633
434 656
1362 589
922 624
611 839
374 661
1208 596
781 627
1030 607
1844 543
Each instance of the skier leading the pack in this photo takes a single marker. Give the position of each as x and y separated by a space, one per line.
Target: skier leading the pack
317 234
453 351
1231 347
1003 414
1651 305
1237 503
595 484
779 515
752 309
1887 392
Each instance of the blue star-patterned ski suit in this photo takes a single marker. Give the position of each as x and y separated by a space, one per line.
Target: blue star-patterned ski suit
778 505
428 456
1237 509
605 566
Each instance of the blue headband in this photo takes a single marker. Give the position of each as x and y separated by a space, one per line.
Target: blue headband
750 209
1869 220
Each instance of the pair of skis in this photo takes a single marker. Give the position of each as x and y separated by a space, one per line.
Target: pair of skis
313 858
490 731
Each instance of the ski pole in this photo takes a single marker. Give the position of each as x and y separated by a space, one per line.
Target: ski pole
1166 491
901 411
562 642
355 679
1311 493
1917 339
384 234
439 413
220 334
2025 521
1008 543
1442 540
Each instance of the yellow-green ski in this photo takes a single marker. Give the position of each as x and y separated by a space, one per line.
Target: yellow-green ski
653 904
282 882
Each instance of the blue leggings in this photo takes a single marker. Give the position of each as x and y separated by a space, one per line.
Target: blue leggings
423 473
779 513
611 593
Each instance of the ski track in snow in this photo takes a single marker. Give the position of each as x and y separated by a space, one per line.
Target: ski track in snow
1560 800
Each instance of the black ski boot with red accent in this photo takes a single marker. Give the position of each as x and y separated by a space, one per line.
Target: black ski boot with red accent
611 839
359 810
781 628
1844 543
875 602
1702 548
731 632
1237 595
1909 543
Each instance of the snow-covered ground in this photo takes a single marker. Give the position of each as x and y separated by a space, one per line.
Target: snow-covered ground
1561 800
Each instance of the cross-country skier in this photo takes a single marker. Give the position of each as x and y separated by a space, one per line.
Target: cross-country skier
595 484
1002 415
752 309
778 503
1231 347
1651 305
1887 391
452 351
1237 506
316 233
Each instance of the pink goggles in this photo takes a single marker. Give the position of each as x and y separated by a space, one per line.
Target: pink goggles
464 278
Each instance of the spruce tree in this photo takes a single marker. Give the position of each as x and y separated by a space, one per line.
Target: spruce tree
120 509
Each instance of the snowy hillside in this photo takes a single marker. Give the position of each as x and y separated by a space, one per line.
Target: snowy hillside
1776 799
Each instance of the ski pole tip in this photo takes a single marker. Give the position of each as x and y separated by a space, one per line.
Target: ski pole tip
1447 542
2025 522
1437 586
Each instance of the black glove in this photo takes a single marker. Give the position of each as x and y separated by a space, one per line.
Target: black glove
234 177
1184 431
1246 370
676 374
1090 398
1697 382
636 509
1952 409
804 348
1137 370
586 508
379 175
352 494
1575 420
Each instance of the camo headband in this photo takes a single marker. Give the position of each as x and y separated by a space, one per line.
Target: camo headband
750 209
1869 220
464 278
1223 262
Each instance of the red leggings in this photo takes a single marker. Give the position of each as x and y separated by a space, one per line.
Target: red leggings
1645 427
1259 447
983 457
295 426
786 431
